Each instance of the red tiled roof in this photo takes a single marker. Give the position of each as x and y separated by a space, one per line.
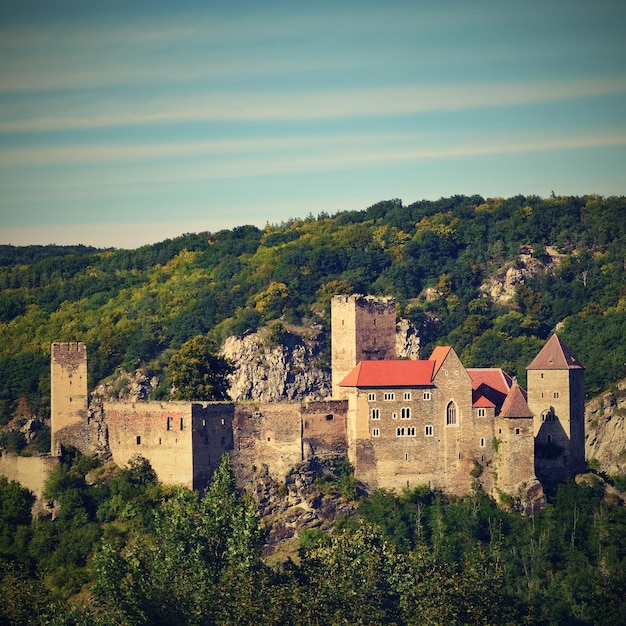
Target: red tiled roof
493 377
555 355
515 404
490 383
480 402
439 356
390 374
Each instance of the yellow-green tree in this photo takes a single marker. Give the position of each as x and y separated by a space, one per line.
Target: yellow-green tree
195 372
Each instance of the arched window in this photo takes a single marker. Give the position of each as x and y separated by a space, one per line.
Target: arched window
451 414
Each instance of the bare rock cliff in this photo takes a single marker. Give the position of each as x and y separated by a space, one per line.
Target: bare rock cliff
605 430
297 370
269 373
501 287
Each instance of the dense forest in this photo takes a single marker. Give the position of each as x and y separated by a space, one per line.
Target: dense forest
136 308
121 548
125 550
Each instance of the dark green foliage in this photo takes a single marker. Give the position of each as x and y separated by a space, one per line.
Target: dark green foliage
12 441
145 555
131 306
196 373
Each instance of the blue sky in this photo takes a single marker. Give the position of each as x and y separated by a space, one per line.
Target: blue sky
125 123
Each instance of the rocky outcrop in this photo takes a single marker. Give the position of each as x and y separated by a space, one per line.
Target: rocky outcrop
269 373
308 499
126 387
501 287
297 369
407 340
605 431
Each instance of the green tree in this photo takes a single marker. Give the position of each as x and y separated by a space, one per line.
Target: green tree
195 372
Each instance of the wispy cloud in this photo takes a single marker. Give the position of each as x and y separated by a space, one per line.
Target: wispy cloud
132 165
320 105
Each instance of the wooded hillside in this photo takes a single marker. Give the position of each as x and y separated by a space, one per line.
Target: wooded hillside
137 307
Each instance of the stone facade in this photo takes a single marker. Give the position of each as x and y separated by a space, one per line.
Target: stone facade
68 388
556 397
401 422
362 328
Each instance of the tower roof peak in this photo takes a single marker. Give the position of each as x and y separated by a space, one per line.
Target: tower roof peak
555 355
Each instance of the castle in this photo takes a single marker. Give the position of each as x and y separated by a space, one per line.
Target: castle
400 422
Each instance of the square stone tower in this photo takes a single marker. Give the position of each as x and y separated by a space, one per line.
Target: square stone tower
556 397
68 388
362 328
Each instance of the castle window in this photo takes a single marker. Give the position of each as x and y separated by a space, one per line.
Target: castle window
204 422
428 430
389 395
399 432
159 440
517 431
460 457
411 431
407 395
329 418
451 414
138 439
481 412
482 442
169 423
405 413
375 432
556 394
548 438
182 423
406 456
371 397
394 416
426 395
375 414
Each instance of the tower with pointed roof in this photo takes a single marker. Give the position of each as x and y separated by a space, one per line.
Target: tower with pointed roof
556 396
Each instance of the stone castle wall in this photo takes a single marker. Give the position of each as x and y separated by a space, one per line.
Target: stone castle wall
31 472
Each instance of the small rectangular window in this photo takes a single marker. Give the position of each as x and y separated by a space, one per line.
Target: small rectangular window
428 430
389 395
556 394
138 439
375 414
411 431
182 423
399 432
482 442
375 432
481 412
169 423
426 395
405 413
371 397
517 431
407 395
